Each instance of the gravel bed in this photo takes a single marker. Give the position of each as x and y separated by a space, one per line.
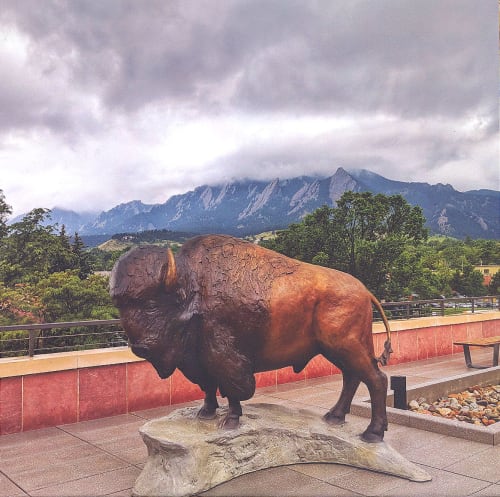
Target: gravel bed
477 405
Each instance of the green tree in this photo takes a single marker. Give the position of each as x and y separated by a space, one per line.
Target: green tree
468 282
104 260
33 249
365 235
5 212
82 257
26 252
64 296
375 229
19 305
494 286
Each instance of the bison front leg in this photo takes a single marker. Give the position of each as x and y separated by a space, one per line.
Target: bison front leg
194 372
240 386
232 370
232 420
210 404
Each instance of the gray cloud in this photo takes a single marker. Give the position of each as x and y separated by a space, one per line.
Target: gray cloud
404 57
89 68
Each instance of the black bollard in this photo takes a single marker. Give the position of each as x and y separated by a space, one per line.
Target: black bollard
398 384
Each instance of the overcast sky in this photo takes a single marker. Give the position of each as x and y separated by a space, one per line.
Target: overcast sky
106 101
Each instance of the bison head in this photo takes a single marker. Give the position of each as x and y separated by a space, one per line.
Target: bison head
141 285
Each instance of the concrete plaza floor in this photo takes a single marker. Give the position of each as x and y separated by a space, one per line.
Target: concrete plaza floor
105 456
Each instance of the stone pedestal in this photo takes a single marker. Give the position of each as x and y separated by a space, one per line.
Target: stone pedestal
188 456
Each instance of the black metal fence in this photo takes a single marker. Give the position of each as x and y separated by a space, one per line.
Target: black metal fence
34 339
438 307
46 338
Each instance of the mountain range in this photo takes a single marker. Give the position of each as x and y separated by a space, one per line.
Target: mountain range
248 207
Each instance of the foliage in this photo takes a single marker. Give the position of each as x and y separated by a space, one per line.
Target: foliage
19 304
382 241
154 236
364 235
5 212
66 297
104 260
59 297
31 250
45 276
494 286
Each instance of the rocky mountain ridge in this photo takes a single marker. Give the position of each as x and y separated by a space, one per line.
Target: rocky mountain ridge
248 207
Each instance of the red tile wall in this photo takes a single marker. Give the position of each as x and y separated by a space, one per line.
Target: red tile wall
426 341
458 333
145 389
286 375
182 390
444 340
50 399
11 405
408 346
490 328
103 391
318 366
266 379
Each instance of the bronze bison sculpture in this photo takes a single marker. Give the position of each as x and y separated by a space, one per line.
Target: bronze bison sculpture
223 309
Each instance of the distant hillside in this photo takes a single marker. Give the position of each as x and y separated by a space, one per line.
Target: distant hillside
120 241
152 236
248 207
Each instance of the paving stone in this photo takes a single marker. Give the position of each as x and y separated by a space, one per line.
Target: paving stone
443 484
121 480
51 471
275 482
111 452
366 482
323 472
10 489
483 465
490 491
443 452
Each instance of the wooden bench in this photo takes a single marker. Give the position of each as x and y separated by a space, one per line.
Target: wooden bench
480 342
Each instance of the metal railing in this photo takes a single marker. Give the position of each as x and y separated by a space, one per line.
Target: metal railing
438 307
34 339
45 338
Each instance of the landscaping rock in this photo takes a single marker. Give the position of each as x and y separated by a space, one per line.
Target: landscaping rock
477 405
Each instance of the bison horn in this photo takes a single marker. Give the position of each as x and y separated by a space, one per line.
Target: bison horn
171 276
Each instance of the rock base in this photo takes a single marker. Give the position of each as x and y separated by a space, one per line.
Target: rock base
188 456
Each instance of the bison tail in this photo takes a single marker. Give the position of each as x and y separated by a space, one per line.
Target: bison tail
386 354
384 357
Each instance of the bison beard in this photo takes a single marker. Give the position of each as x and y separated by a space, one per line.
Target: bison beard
224 309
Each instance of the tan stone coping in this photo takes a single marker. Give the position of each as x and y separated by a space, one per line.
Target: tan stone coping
62 361
431 321
19 366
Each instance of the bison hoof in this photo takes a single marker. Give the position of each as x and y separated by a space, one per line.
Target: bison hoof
206 413
331 419
230 422
371 437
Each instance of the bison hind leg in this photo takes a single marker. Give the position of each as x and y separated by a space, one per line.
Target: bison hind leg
359 365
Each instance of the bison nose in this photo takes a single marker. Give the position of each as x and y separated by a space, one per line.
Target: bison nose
141 351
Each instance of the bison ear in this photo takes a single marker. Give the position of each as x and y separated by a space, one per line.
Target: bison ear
171 276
